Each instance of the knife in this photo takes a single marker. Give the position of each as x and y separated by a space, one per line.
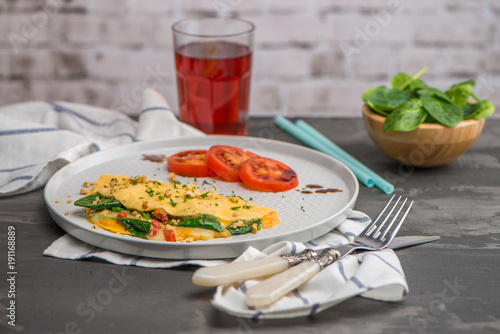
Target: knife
273 288
238 271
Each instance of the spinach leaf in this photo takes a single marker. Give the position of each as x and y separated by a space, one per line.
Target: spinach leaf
144 215
97 202
485 109
203 221
469 109
444 112
403 80
415 85
406 117
430 91
430 120
411 102
468 82
459 94
377 110
245 228
386 99
368 92
136 227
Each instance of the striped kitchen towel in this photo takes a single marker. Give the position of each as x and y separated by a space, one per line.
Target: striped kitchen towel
38 138
375 275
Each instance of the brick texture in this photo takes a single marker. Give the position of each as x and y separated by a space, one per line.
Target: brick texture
311 57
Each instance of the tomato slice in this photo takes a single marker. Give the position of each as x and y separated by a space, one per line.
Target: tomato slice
268 174
225 161
189 163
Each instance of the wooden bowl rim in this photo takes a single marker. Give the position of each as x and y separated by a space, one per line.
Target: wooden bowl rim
380 119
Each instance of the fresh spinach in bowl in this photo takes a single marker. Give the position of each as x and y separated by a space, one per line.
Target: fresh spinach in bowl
411 102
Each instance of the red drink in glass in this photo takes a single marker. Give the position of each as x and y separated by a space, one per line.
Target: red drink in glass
213 79
213 57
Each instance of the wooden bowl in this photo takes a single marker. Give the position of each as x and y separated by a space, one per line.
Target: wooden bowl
429 145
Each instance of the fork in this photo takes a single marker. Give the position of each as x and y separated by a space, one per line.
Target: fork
372 238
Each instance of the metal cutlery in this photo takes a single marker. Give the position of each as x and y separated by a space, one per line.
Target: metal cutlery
244 270
370 239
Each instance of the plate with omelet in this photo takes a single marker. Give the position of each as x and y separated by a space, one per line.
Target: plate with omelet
125 199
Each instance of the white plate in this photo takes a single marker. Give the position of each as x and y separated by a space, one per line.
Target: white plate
303 217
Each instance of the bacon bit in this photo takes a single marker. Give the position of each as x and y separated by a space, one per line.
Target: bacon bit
234 199
84 191
145 204
155 224
161 214
169 234
66 213
69 201
57 201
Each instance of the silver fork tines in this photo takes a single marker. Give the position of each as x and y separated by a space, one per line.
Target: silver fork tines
372 234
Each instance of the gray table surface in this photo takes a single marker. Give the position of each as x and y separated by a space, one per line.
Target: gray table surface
454 283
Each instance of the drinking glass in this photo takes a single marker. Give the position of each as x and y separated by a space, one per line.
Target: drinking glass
213 59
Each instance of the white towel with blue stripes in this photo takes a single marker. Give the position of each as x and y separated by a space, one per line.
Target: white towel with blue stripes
38 138
376 275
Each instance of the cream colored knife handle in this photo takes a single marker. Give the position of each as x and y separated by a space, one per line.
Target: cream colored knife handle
272 289
237 271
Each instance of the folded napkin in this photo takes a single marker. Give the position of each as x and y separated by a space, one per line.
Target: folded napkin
38 138
376 275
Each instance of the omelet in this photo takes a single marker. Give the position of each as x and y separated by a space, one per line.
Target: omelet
171 211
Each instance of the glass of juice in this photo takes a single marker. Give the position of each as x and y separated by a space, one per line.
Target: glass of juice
213 58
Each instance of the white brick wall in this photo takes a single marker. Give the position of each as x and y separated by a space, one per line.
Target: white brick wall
311 57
